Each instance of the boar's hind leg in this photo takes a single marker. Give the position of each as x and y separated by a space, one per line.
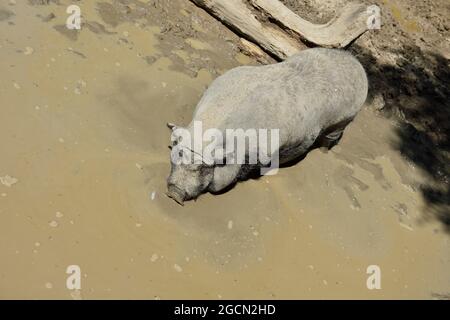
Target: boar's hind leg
224 176
331 137
330 140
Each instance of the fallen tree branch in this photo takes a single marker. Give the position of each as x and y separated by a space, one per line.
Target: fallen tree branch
254 51
285 33
339 32
236 15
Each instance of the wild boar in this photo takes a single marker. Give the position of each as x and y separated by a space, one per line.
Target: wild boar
309 99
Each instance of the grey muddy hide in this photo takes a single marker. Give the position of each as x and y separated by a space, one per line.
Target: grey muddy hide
309 98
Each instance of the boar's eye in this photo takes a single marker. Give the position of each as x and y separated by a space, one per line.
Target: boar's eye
180 153
177 141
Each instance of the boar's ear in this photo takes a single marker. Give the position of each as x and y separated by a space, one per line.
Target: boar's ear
171 126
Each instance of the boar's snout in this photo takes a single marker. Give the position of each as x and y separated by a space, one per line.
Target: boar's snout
176 194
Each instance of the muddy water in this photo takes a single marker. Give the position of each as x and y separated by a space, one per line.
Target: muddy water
83 164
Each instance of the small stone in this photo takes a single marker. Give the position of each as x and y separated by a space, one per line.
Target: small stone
153 195
28 51
59 214
230 224
154 257
49 285
53 224
177 268
8 181
378 102
16 85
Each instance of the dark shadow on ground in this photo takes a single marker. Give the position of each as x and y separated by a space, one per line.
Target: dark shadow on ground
416 92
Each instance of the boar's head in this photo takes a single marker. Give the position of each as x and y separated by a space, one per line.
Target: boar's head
189 175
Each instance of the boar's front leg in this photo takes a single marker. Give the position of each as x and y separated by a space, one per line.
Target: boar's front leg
224 176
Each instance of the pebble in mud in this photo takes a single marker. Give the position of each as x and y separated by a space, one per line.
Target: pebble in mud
154 257
28 51
8 181
53 224
59 214
177 268
49 285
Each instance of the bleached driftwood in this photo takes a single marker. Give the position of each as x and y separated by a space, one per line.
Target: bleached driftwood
285 33
339 32
238 16
252 50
